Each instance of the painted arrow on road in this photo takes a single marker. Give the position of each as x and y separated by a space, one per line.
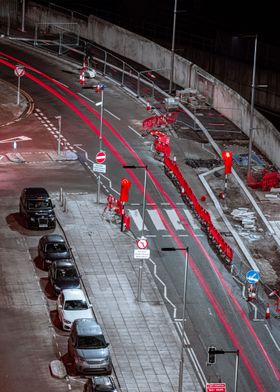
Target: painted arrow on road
16 139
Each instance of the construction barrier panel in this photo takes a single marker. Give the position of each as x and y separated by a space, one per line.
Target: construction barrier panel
174 173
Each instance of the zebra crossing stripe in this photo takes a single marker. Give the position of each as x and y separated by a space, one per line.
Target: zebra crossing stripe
137 218
191 220
172 215
276 227
155 217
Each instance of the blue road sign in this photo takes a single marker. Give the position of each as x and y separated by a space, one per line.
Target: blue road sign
252 276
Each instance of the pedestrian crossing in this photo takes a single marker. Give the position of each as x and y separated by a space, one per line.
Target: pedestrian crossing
154 220
276 227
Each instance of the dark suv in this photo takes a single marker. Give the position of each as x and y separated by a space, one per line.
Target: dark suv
36 208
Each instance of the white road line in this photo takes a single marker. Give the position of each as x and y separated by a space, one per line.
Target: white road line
113 115
83 96
62 84
137 133
174 219
155 217
137 218
190 219
272 337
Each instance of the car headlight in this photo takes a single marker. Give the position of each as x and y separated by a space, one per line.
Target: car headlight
52 218
67 321
48 261
80 360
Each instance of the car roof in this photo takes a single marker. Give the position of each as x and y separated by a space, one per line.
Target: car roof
73 294
103 380
36 191
86 326
54 238
62 263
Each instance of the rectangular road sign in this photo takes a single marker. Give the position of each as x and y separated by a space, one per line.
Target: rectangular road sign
99 168
141 253
216 387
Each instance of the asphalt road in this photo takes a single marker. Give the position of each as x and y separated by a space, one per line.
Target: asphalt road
213 316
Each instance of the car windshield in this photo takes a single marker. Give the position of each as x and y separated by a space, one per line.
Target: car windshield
75 305
56 248
66 273
104 388
91 342
36 204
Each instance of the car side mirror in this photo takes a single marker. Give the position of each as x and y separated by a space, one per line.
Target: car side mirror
59 306
90 305
53 205
107 344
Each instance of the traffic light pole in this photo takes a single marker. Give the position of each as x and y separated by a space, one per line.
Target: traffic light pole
213 352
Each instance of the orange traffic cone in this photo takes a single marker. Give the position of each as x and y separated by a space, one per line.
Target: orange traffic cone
267 312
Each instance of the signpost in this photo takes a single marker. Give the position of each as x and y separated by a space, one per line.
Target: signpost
98 167
19 72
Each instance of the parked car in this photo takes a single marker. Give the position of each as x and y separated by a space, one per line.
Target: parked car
52 247
88 348
71 305
100 384
37 209
90 73
63 275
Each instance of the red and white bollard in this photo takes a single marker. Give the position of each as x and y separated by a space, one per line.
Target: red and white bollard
267 312
82 78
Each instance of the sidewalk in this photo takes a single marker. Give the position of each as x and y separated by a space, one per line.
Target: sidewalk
144 343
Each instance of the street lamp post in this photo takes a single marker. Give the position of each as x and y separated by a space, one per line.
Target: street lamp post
252 109
23 16
181 367
141 264
59 135
173 48
251 127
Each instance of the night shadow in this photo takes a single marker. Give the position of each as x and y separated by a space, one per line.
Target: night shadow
69 365
70 72
38 262
16 223
47 289
57 323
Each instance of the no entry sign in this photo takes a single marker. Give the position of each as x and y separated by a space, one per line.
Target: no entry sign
19 70
100 157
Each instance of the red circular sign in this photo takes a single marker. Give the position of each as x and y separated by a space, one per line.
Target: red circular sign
100 157
142 243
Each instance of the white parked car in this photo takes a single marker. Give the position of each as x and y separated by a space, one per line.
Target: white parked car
72 304
90 73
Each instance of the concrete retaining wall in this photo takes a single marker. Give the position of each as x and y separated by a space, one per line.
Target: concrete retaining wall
153 56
